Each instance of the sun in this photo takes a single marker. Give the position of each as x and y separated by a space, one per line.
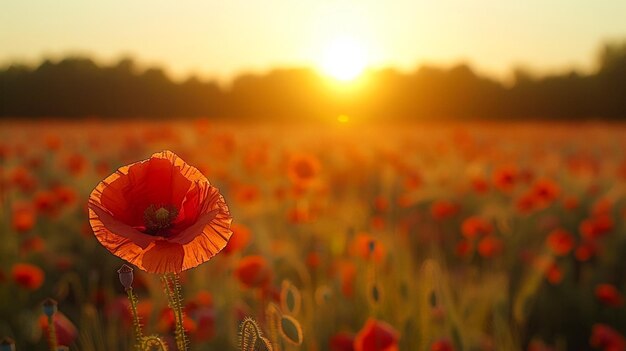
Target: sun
344 59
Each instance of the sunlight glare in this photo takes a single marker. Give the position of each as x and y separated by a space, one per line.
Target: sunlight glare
344 59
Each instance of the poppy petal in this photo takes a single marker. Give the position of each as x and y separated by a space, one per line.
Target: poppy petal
105 219
164 257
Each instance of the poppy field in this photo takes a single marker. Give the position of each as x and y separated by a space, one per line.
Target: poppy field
346 236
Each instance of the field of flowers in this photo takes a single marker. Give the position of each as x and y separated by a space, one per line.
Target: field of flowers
472 236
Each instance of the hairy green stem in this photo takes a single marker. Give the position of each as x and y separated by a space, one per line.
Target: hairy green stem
133 309
52 334
172 286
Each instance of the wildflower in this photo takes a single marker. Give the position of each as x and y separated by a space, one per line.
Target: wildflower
253 271
443 209
303 169
376 336
609 295
341 341
27 276
560 242
606 338
475 226
490 246
23 217
239 240
66 332
161 215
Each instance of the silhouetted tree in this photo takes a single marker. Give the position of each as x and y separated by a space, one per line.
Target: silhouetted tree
78 87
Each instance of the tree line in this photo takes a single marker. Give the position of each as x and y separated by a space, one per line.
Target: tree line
77 87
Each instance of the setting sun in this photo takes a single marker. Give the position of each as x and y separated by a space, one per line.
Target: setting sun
344 59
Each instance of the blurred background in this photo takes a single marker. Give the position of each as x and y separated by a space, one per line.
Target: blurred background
418 175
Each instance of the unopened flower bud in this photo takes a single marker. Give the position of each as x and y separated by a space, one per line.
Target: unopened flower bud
49 307
7 344
126 276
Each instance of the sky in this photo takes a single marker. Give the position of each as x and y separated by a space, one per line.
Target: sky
219 39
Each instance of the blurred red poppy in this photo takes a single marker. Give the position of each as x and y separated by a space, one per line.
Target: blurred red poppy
442 345
253 271
475 226
65 330
376 336
23 217
27 276
609 295
303 169
606 338
161 215
443 209
490 246
341 341
239 240
560 242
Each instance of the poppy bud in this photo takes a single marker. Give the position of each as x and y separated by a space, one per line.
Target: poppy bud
7 344
126 276
49 307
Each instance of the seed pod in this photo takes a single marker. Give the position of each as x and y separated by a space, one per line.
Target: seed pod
49 307
7 344
126 276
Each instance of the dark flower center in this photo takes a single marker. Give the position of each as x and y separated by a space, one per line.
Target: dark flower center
157 218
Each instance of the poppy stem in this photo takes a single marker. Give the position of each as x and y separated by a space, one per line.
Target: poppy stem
171 282
52 334
132 298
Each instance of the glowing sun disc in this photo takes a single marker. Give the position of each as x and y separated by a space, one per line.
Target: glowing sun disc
344 59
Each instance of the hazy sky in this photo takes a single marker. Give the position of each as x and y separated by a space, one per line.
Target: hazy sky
221 38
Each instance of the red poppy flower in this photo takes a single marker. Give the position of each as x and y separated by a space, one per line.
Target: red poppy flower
609 295
161 215
606 338
303 169
23 217
253 271
341 341
475 226
443 209
442 345
239 240
490 246
560 242
376 336
65 330
367 247
27 276
504 178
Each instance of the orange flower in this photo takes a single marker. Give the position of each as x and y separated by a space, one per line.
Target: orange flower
490 246
303 169
65 330
23 218
504 178
560 242
239 240
545 191
161 215
606 338
442 345
27 276
475 226
443 209
341 341
609 295
367 247
253 271
376 336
